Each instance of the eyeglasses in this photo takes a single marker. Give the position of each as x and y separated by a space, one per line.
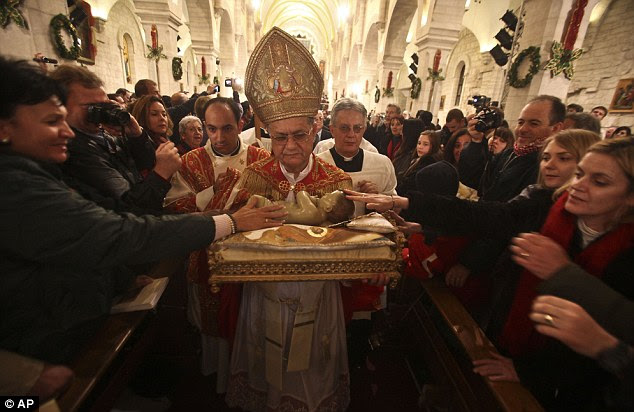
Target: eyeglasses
357 128
297 138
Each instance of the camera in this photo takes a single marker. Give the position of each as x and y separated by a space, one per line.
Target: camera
216 89
108 113
44 60
479 101
228 83
487 117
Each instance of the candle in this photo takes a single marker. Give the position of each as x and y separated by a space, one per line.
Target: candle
154 34
437 61
203 66
389 80
573 25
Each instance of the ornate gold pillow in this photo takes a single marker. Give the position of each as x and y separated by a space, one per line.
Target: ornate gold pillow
299 253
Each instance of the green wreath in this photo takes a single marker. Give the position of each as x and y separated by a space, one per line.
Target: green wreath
377 95
177 68
58 23
531 52
9 12
415 91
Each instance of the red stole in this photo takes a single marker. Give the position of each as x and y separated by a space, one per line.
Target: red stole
265 178
198 171
218 312
519 336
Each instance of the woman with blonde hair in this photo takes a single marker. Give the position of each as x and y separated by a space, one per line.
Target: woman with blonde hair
151 114
591 225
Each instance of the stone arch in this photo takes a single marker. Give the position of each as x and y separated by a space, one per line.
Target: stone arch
116 29
459 78
353 63
242 56
227 43
370 46
127 55
200 16
399 23
466 53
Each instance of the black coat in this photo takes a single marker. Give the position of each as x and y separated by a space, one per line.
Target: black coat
473 158
62 257
112 167
507 174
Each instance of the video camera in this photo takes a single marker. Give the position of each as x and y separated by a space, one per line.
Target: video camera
487 117
108 113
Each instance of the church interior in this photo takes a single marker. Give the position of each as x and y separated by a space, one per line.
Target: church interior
418 347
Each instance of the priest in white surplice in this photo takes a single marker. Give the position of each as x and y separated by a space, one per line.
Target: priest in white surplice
370 172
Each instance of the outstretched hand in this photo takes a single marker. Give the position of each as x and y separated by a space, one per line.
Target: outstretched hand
378 202
404 226
250 217
496 368
538 254
571 324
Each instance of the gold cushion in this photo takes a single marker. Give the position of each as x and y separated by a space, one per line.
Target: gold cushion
298 252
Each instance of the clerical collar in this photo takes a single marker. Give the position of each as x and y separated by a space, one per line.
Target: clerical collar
348 164
293 180
235 152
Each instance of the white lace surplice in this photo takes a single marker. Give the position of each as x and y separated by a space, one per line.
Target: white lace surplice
320 381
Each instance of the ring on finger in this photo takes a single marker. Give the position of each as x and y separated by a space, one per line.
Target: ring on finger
548 319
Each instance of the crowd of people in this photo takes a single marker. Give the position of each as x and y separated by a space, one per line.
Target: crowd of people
539 218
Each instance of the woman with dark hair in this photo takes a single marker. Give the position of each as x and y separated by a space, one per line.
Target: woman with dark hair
396 129
501 139
64 256
427 152
410 131
458 140
622 131
151 114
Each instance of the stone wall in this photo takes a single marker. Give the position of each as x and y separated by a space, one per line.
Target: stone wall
608 57
467 52
24 43
109 60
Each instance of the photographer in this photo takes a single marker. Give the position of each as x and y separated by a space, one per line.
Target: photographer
475 155
111 148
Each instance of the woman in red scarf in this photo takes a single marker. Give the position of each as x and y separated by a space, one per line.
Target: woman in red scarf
593 222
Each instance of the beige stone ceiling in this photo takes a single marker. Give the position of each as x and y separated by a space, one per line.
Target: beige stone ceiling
317 19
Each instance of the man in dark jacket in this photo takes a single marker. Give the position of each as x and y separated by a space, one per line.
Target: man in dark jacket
112 165
508 174
517 167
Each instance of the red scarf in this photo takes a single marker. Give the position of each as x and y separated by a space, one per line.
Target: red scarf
519 336
391 148
529 148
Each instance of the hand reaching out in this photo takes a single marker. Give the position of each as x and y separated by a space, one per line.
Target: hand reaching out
538 254
249 217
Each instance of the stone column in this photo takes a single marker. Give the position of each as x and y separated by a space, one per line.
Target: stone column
167 26
388 64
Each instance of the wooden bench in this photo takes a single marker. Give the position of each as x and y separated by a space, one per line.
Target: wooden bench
108 362
445 340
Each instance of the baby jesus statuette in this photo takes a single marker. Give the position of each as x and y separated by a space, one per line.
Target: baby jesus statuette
329 209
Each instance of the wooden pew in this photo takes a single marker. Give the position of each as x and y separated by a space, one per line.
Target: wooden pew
445 340
105 366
